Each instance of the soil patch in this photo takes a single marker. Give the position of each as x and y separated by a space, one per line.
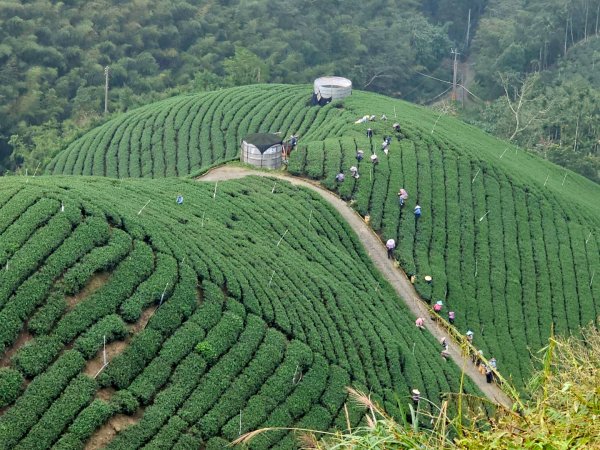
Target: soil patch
102 437
105 393
142 321
113 349
22 339
96 282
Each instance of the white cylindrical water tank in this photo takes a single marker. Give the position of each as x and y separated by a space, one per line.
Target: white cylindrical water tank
262 150
332 87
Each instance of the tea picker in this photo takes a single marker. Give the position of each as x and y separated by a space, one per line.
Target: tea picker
416 397
417 212
390 245
402 196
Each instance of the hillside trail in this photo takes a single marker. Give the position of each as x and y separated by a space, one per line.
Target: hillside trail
378 254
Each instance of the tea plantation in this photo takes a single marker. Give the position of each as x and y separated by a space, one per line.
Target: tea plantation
240 308
510 240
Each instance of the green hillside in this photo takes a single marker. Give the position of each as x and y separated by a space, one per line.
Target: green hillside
239 301
510 240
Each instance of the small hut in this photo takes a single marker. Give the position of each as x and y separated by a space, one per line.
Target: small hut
327 89
262 150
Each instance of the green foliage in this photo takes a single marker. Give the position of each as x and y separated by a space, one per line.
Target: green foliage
206 350
11 385
278 349
53 69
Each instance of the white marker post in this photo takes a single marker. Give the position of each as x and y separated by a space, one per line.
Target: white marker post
140 211
592 279
282 238
215 192
273 190
436 121
564 178
475 269
503 152
202 224
104 352
162 297
310 216
473 180
588 238
546 179
240 422
36 169
482 217
272 275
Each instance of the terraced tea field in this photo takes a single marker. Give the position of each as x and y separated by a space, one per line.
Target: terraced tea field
511 241
243 307
182 135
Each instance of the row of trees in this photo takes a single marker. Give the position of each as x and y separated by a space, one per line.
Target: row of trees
53 54
541 87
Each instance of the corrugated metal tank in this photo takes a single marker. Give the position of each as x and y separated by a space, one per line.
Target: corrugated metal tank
333 87
270 159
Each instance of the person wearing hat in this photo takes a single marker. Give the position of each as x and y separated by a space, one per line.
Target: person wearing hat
444 343
438 306
416 397
470 336
360 155
420 323
417 212
390 245
451 317
489 375
402 196
180 199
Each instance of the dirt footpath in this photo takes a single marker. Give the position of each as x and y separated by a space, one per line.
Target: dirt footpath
378 254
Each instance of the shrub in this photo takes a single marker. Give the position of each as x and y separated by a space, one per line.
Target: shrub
11 386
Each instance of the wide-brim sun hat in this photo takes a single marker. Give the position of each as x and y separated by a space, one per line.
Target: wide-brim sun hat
469 333
416 391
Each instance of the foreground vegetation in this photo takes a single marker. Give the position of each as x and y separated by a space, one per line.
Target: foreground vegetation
561 414
248 305
508 238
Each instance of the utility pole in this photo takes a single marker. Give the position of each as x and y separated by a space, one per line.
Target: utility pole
455 52
468 29
106 90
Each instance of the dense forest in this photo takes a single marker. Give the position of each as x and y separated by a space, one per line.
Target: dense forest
53 57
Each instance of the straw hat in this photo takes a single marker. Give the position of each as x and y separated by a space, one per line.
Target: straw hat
428 278
416 392
469 333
